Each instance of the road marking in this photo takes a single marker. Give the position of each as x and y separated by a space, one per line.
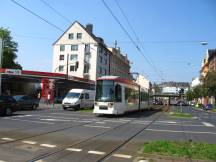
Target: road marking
96 152
48 145
55 120
33 121
7 139
123 156
96 126
160 130
170 122
2 161
143 161
40 161
208 124
45 116
71 114
74 149
30 142
100 122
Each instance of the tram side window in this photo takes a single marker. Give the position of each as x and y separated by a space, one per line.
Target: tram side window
131 96
118 93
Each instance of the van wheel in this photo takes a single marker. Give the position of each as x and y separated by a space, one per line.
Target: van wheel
77 108
8 111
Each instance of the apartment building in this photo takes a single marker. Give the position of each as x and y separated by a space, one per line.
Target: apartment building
212 59
78 52
119 64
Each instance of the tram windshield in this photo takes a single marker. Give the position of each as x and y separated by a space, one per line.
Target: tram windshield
105 91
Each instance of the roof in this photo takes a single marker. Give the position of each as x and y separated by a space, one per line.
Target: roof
97 39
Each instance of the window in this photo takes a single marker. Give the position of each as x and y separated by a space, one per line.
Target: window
118 93
87 58
62 47
86 68
86 96
105 71
79 35
87 48
74 47
61 68
61 57
74 57
73 68
100 59
100 70
105 61
70 36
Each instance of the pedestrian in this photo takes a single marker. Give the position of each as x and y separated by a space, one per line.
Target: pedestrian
48 98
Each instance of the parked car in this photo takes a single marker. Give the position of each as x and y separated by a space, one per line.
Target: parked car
25 102
8 105
207 107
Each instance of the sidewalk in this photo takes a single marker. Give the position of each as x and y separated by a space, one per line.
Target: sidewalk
43 105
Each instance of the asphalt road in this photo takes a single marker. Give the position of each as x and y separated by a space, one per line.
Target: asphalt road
47 135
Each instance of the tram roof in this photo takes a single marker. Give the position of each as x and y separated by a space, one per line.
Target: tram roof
118 79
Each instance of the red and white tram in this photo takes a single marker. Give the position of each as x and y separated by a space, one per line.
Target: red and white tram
117 96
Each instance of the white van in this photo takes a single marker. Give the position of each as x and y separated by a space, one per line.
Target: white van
79 98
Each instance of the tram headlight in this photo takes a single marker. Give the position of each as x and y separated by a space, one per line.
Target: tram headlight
110 104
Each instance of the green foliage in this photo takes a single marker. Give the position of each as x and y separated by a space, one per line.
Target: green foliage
180 115
9 50
189 95
210 83
181 149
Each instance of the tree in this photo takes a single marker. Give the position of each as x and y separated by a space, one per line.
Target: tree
210 83
9 50
190 95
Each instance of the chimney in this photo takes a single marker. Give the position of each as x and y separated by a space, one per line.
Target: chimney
89 28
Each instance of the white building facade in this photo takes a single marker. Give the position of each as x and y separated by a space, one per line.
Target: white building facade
78 52
143 82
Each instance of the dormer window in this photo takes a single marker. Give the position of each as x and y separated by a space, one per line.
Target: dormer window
70 36
79 35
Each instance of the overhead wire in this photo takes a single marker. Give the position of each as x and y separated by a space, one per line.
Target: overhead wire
137 38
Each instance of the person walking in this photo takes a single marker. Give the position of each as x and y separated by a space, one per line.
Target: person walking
48 98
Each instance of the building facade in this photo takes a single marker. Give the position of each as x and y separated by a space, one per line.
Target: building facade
143 82
78 52
212 60
174 87
119 64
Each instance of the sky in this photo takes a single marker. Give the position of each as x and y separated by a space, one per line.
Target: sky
167 40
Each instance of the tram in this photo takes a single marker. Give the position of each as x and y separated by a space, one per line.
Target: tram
115 95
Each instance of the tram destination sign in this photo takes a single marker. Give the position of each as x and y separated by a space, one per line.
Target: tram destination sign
13 71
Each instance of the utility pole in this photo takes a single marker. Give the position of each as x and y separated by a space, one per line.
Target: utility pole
1 56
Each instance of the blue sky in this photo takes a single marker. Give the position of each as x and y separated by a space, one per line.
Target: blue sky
170 32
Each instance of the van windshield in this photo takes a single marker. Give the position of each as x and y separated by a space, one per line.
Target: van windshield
73 95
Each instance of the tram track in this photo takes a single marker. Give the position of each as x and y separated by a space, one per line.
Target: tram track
63 148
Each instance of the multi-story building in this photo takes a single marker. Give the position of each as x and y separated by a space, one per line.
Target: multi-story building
119 64
143 82
205 66
78 52
212 59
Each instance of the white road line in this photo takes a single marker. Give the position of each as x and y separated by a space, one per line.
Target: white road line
56 120
179 124
45 116
167 121
48 145
208 124
30 142
96 126
172 131
2 161
7 139
40 161
100 122
33 121
74 149
70 114
122 156
96 152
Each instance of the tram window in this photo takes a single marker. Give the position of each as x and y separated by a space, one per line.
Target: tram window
118 93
